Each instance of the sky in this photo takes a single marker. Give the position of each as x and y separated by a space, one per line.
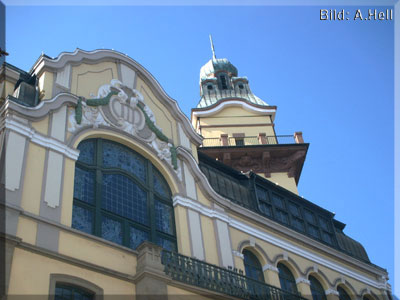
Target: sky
332 80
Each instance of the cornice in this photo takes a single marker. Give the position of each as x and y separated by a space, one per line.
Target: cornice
41 110
39 139
213 109
267 237
80 55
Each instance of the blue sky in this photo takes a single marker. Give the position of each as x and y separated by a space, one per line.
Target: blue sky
332 80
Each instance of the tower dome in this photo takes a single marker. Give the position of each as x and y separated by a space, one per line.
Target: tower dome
219 80
215 65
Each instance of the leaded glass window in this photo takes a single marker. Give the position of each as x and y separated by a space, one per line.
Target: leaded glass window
252 266
71 292
317 291
286 279
121 197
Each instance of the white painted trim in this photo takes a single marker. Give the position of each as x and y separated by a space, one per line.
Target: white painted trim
45 141
331 292
80 55
265 236
238 254
270 267
302 280
225 104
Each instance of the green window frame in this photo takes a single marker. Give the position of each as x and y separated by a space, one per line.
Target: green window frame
120 196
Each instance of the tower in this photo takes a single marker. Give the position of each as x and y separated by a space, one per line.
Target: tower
239 129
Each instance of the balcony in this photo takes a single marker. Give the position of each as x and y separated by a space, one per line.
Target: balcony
213 278
260 154
261 139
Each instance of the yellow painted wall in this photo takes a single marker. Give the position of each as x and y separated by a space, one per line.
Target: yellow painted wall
27 229
32 188
163 117
182 230
8 88
30 275
215 132
209 240
237 111
202 198
97 253
283 180
230 119
46 84
194 153
68 192
87 79
42 126
239 117
183 294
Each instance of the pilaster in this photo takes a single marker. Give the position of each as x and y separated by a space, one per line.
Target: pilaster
151 281
332 294
303 286
271 275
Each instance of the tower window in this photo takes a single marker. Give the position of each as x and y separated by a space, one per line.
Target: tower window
223 82
210 87
241 86
239 141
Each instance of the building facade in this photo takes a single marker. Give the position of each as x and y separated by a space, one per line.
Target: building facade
111 191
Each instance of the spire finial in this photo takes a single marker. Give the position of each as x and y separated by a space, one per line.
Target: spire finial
212 47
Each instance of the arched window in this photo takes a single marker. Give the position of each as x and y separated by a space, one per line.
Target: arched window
252 266
120 196
317 291
71 292
286 279
343 294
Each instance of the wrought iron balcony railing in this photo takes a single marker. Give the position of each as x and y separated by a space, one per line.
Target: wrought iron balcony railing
252 140
196 272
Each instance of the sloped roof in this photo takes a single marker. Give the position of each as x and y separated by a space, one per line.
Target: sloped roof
241 188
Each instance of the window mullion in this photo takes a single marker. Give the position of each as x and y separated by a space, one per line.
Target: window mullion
150 201
99 181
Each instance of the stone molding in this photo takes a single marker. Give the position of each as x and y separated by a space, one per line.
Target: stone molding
331 292
238 254
39 139
218 106
302 280
265 236
79 56
268 267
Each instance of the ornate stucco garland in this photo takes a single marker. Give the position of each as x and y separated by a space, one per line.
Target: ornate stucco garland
151 125
160 135
92 102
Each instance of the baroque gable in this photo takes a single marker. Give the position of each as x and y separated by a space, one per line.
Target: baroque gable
122 108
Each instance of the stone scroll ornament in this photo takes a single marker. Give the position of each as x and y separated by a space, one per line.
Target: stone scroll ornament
123 108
